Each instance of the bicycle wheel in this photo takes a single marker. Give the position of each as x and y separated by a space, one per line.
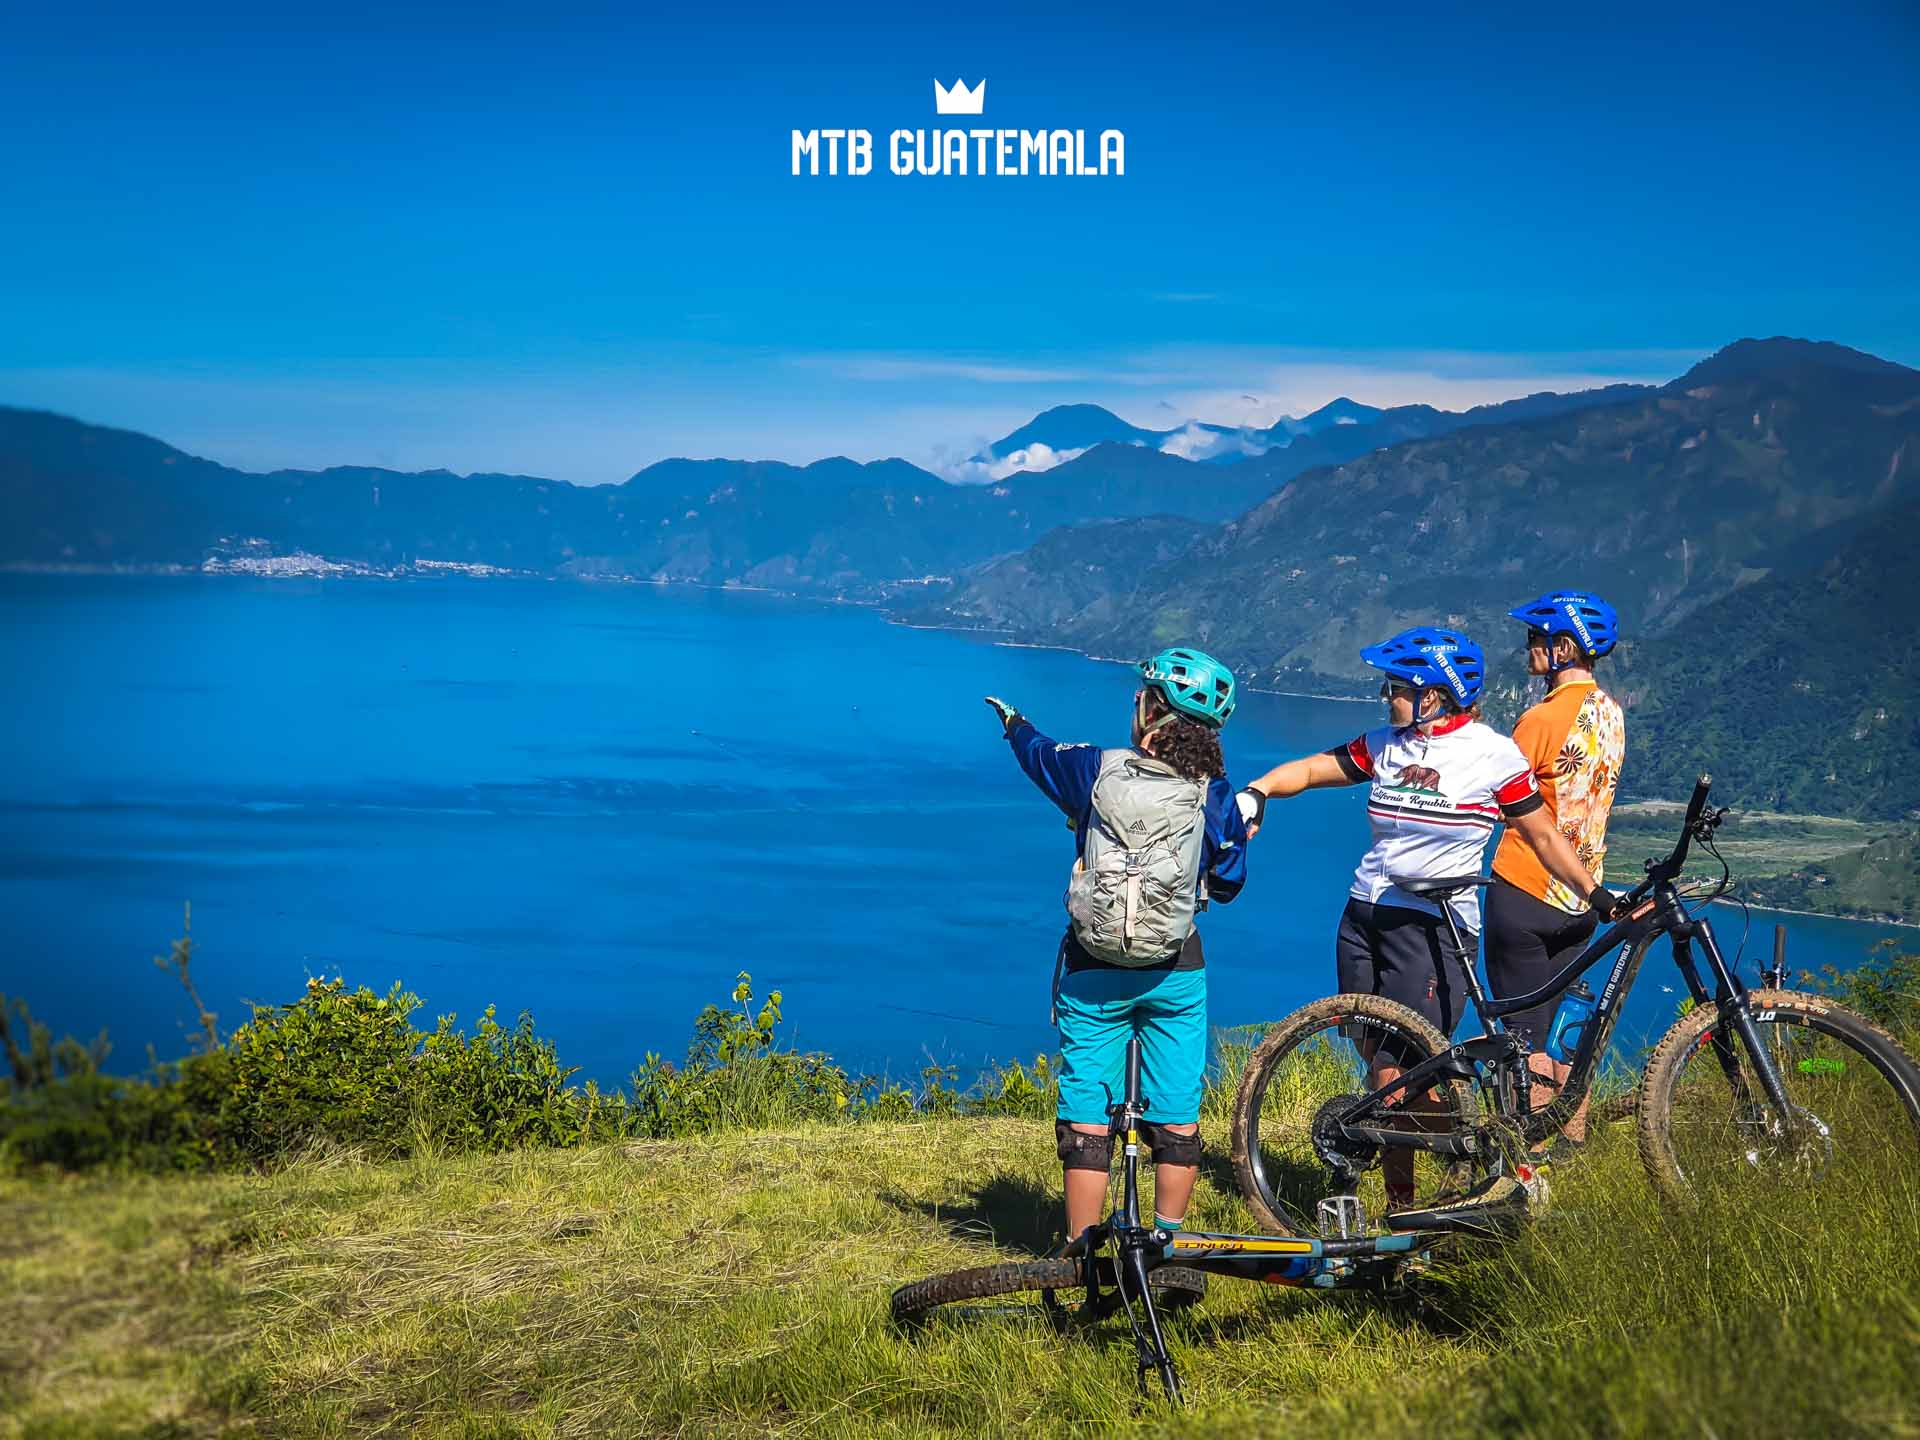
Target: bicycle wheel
1286 1157
1705 1120
1023 1284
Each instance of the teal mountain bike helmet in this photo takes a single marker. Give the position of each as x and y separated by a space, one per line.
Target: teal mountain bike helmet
1193 683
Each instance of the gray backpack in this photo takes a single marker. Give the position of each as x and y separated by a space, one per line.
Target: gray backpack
1135 887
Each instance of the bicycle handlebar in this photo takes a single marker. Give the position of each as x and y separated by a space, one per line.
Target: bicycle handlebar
1660 872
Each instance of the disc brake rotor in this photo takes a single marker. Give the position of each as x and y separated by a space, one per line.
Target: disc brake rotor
1767 1142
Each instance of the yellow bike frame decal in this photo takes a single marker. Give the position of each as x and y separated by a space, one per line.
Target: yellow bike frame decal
1237 1246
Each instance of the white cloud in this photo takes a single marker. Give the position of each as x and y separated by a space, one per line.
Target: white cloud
1191 442
1034 457
1251 386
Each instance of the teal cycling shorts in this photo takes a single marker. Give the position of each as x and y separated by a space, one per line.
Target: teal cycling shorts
1100 1009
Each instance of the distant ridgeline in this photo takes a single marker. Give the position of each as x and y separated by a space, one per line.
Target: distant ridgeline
1749 519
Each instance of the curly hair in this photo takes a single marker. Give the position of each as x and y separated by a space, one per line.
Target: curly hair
1192 749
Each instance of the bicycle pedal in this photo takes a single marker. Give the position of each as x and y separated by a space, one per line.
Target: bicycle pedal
1342 1217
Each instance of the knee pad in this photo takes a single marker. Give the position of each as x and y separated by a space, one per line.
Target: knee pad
1169 1146
1081 1151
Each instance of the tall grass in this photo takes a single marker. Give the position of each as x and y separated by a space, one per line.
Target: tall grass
710 1279
737 1283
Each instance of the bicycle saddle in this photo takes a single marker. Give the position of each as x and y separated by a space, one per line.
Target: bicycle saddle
1443 885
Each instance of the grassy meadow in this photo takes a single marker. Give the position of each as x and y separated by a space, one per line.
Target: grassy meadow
737 1283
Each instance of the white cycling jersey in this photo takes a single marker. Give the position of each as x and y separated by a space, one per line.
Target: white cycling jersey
1428 832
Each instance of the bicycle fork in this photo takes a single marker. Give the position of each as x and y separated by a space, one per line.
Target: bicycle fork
1149 1341
1736 1014
1130 1243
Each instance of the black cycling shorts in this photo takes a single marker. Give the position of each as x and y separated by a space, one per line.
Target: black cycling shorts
1405 955
1528 941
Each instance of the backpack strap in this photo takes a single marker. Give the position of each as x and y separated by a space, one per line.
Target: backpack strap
1127 924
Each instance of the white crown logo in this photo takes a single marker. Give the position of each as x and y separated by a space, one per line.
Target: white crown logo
959 100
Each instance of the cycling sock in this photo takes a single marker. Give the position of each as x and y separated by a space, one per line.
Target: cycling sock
1165 1224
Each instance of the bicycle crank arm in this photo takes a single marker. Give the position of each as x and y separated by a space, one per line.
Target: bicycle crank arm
1463 1145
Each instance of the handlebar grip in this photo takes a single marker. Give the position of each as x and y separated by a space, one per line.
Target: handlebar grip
1668 870
1696 807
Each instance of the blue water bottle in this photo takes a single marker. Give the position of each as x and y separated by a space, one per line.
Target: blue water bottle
1570 1023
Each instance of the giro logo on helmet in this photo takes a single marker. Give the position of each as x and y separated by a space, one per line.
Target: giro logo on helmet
1440 654
1589 621
1579 623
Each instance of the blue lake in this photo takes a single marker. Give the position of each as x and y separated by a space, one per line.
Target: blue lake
598 803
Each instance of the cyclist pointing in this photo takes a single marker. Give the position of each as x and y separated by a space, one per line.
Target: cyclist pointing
1574 741
1158 832
1441 781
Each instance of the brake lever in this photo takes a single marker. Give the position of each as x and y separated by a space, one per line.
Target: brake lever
1709 822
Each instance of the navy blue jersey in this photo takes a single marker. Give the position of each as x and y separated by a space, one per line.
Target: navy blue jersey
1065 775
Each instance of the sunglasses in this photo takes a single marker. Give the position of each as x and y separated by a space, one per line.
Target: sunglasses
1390 689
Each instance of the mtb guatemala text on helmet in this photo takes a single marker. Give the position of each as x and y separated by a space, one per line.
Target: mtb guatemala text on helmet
1432 659
1193 683
1591 621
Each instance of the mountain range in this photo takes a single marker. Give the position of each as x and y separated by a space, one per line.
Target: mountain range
1066 430
1750 519
83 495
1745 516
1339 430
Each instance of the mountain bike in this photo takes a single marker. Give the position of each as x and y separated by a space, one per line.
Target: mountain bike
1123 1266
1763 1082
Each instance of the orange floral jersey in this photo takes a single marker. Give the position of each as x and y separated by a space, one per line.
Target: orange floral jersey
1575 739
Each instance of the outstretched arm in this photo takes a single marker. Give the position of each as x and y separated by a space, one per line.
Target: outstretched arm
1309 772
1064 773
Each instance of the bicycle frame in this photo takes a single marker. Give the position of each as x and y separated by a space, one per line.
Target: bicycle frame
1135 1250
1657 909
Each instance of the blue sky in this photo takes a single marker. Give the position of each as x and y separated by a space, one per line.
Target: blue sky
565 239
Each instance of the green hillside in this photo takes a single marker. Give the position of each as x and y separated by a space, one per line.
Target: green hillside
1881 879
1665 503
1797 690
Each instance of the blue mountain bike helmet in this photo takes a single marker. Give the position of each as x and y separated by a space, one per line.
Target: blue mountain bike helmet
1591 621
1429 658
1194 683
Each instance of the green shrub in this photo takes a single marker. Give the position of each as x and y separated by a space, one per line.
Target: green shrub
57 1109
1016 1090
34 1057
735 1078
336 1065
349 1067
80 1121
500 1088
1886 989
